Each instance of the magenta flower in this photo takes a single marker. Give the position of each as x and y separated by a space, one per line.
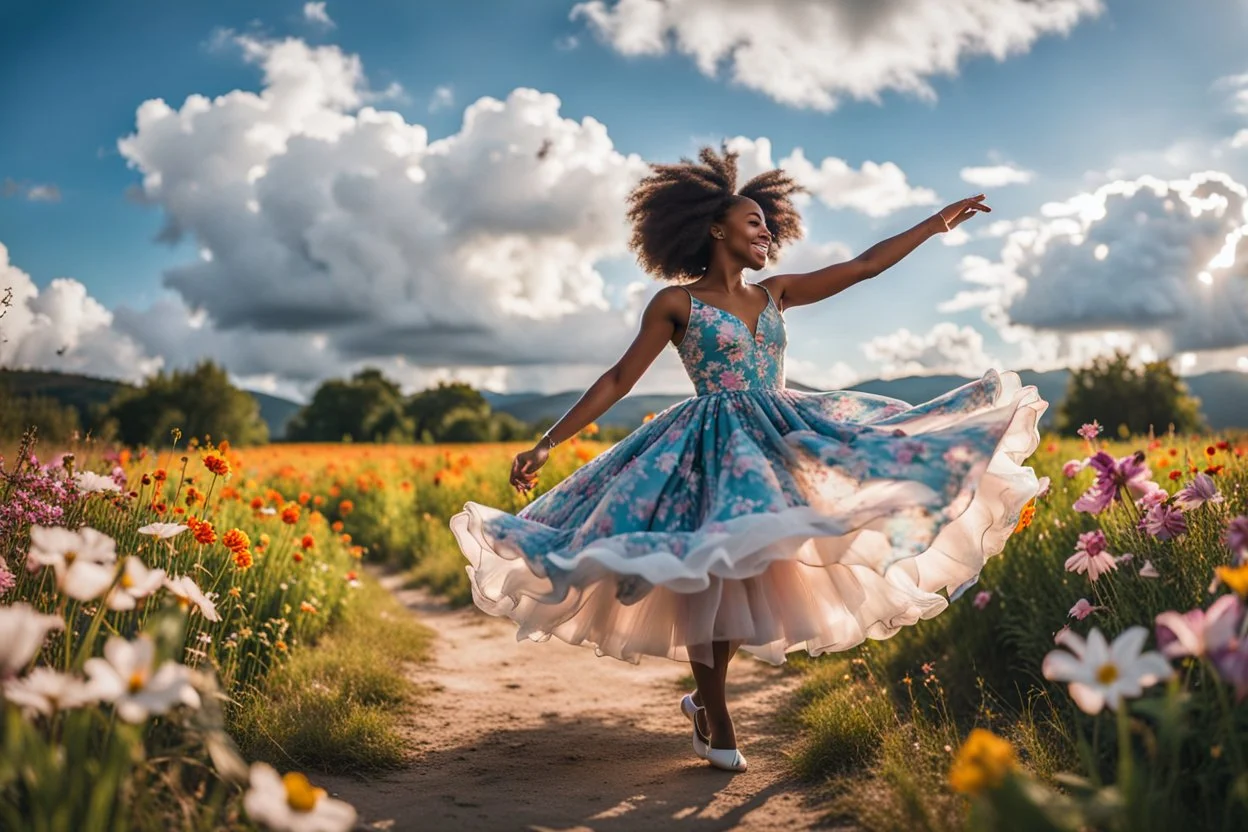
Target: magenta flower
7 579
1073 467
1164 522
1200 632
1196 493
1112 476
1235 537
1232 666
1090 556
981 599
1090 431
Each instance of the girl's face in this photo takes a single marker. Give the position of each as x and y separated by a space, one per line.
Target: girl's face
745 235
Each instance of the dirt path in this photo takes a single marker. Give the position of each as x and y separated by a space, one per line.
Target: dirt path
549 737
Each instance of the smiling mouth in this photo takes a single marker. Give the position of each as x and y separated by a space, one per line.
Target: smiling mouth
761 248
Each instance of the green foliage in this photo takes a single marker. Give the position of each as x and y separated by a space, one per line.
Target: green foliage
1129 400
55 421
368 407
200 402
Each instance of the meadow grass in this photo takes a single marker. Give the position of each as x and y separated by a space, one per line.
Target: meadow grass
338 706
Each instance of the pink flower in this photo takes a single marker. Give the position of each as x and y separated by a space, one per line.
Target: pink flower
1044 483
982 599
1200 632
1073 467
1082 609
1112 476
1235 537
731 380
1164 522
1090 556
1090 431
1151 499
1196 493
7 578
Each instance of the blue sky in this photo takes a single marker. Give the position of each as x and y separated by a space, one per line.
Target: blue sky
1132 89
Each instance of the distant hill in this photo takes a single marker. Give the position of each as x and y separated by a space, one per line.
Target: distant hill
83 392
1223 395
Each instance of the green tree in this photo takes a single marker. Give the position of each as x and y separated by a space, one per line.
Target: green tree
56 422
368 407
1129 399
430 410
200 402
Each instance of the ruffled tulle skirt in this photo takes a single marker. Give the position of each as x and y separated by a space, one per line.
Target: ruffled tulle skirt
774 518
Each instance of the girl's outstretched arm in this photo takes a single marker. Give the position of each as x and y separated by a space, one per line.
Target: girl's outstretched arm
811 287
658 326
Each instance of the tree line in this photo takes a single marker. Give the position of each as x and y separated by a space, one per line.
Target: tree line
1128 399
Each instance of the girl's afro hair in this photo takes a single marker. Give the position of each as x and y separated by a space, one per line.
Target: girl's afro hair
672 209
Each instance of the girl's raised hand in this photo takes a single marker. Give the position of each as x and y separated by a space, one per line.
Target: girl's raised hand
959 212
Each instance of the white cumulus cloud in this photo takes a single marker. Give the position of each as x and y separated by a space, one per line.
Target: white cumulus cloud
1161 262
945 348
316 13
814 53
996 176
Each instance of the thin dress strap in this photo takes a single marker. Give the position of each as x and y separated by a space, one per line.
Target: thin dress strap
690 320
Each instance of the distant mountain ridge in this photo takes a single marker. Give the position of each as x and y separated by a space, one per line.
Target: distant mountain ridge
1223 397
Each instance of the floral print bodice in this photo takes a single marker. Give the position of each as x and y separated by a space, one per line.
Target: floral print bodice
720 354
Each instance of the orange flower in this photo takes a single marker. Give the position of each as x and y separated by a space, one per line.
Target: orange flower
1214 469
296 556
590 429
304 497
336 526
307 542
236 540
229 492
257 503
346 507
202 530
334 491
159 475
290 514
279 646
224 447
346 539
242 558
179 510
1025 517
318 500
193 496
306 607
160 508
1176 475
217 465
584 454
647 417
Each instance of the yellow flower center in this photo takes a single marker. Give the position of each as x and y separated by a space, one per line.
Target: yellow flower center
70 556
137 680
1108 674
300 794
126 580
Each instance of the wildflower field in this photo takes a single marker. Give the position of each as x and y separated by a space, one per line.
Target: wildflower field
160 611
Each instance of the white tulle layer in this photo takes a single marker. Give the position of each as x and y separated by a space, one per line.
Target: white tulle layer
821 577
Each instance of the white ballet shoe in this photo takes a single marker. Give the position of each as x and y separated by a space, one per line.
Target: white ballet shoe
729 759
689 709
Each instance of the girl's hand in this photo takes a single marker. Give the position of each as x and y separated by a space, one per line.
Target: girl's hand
524 468
959 212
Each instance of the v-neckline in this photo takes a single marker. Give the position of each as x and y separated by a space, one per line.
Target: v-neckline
757 324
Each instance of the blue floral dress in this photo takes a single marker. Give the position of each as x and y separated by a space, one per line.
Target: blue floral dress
770 517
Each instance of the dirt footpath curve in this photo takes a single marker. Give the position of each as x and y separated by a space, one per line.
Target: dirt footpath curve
527 736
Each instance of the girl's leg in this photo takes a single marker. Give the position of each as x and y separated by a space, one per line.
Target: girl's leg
711 695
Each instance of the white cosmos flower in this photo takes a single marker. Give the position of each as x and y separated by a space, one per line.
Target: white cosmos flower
1103 674
45 691
291 804
163 530
137 581
188 593
84 561
90 482
126 678
22 632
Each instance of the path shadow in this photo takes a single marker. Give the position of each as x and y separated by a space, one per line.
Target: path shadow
565 775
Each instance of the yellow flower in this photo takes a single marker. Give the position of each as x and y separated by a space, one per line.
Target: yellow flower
1235 577
982 762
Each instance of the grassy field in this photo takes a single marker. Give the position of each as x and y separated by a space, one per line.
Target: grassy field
963 721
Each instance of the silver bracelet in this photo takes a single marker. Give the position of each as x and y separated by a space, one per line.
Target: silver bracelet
550 441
